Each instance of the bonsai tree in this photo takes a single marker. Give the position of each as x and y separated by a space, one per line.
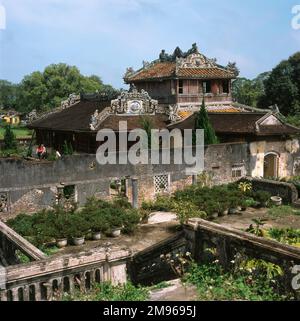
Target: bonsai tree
98 222
78 226
202 122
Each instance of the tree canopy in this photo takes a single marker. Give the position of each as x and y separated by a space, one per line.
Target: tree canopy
282 87
249 92
45 90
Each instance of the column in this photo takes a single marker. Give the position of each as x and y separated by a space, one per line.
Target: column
135 194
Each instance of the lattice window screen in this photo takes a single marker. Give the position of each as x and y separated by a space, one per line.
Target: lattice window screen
238 171
161 183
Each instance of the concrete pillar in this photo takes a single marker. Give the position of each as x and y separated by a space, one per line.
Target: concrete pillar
38 295
26 292
118 273
93 277
15 296
135 193
3 295
71 283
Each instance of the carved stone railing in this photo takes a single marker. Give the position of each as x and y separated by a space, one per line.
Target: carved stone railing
10 241
201 234
50 278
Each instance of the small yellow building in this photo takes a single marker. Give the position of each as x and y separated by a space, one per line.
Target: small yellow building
12 119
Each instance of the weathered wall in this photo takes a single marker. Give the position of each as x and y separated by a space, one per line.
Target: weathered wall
30 185
287 152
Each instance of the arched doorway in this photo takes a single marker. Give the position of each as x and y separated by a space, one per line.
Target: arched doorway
271 161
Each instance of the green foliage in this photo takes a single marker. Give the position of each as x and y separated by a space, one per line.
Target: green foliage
214 284
147 125
261 196
162 203
283 210
256 229
9 139
186 210
107 292
202 122
45 90
285 235
282 87
8 95
67 148
249 92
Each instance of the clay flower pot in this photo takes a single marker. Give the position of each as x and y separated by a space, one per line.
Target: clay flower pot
78 240
116 232
96 236
62 242
276 200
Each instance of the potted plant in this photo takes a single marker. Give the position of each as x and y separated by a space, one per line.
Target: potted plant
115 221
98 225
212 209
78 228
262 197
224 208
58 224
233 205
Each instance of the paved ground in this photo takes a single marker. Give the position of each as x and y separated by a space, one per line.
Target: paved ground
145 236
176 291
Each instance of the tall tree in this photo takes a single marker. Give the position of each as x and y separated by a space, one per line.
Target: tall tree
45 90
282 87
202 122
8 95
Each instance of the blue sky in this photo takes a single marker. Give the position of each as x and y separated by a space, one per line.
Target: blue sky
104 37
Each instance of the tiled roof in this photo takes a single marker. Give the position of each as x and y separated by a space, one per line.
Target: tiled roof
157 70
160 70
74 118
238 123
205 73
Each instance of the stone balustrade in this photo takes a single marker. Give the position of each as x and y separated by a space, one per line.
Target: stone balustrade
49 279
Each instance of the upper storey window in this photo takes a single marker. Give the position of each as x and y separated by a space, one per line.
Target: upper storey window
207 87
180 87
225 86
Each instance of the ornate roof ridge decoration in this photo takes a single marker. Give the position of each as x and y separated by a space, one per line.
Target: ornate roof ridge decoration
97 118
133 102
72 100
189 59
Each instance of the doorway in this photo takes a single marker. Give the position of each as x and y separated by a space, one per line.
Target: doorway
271 165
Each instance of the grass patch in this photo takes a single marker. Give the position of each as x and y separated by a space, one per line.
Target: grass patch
107 292
283 210
20 132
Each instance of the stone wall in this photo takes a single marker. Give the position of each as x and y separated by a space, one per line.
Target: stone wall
32 185
288 192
